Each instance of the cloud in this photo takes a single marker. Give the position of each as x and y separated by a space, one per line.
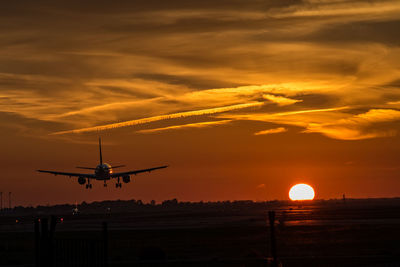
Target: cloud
393 102
357 127
184 126
280 100
91 63
296 117
342 8
272 131
332 122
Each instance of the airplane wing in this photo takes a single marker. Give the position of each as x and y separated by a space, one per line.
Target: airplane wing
70 174
120 174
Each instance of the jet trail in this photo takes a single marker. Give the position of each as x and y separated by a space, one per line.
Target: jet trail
161 117
188 125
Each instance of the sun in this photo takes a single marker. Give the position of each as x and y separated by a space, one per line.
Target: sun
301 192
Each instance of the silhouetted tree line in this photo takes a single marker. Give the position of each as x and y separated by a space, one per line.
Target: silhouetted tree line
132 205
114 206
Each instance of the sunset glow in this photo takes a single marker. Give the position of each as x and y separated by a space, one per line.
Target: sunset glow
229 94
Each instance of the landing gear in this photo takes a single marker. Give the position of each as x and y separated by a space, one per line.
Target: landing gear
88 185
118 184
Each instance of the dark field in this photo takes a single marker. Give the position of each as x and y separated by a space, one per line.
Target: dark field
319 233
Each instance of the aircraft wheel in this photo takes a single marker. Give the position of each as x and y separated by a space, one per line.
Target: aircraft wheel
116 185
87 186
90 186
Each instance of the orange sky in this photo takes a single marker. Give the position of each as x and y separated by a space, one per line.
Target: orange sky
241 98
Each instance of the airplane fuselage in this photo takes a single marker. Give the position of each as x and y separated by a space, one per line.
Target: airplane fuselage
103 171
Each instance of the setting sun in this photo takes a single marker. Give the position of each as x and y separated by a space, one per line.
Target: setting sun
301 192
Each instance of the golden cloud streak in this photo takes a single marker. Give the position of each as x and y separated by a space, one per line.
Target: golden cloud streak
309 111
358 126
336 125
272 131
273 116
345 9
393 103
280 100
189 125
105 107
161 117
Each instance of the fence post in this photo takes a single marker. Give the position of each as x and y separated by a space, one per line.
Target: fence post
105 244
53 222
37 243
271 215
50 240
44 243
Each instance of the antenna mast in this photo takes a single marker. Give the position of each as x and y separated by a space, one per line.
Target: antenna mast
101 156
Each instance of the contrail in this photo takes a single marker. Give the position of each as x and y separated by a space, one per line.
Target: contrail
188 125
161 117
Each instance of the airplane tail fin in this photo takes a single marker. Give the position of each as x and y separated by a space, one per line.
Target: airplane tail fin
101 156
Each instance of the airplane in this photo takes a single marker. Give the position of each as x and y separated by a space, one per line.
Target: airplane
103 172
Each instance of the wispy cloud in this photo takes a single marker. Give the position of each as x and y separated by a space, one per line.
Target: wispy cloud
280 100
393 102
104 66
331 122
281 116
341 8
272 131
359 126
184 126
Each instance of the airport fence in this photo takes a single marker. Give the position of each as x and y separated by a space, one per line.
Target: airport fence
60 252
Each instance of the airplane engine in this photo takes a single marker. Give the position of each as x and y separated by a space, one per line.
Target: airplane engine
126 179
81 180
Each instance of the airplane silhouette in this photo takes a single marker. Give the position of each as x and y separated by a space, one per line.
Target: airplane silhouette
103 172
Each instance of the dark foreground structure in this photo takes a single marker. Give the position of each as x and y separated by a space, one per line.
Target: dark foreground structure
130 233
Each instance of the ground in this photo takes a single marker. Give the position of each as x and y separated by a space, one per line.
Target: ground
315 233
